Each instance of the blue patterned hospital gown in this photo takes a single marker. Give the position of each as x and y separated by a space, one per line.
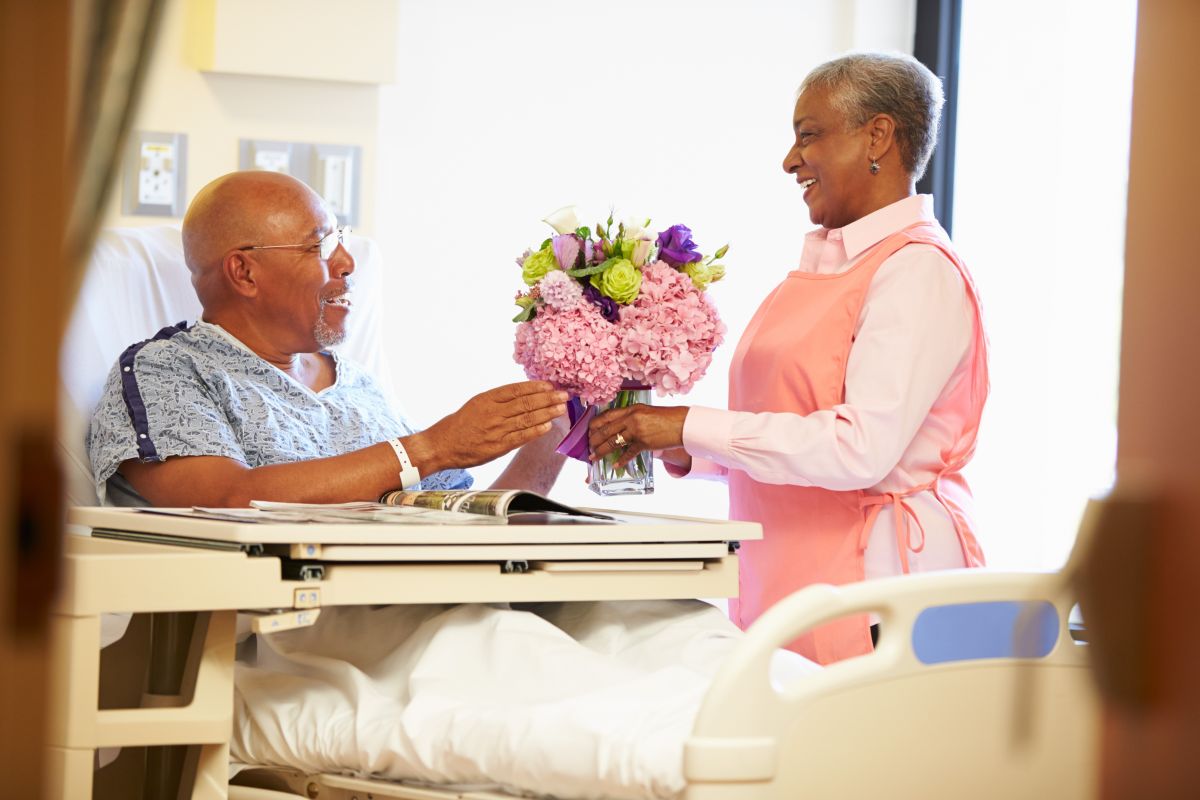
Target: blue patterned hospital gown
197 391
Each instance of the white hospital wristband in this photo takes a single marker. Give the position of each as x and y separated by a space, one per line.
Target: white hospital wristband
409 475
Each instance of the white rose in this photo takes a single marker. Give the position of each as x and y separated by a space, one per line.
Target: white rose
563 221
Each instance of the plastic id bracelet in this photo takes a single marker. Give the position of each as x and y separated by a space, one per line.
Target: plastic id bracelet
409 475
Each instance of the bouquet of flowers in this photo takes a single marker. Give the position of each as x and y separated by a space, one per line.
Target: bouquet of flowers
612 313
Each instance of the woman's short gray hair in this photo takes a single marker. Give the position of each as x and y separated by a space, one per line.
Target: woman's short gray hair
862 85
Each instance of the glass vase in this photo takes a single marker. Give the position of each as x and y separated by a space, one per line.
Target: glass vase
636 477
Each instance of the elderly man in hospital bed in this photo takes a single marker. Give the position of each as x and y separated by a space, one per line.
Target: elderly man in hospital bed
248 403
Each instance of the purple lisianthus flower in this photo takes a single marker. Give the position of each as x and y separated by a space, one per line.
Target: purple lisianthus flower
675 246
608 307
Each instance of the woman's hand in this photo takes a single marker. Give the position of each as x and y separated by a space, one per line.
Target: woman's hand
640 427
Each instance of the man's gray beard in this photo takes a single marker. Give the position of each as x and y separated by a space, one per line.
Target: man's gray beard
325 335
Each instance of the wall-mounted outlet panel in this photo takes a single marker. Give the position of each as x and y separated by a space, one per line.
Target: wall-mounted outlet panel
265 154
335 176
334 171
155 179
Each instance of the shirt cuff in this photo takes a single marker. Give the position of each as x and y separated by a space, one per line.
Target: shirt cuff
707 433
702 468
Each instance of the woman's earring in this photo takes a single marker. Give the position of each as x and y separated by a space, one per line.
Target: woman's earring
874 167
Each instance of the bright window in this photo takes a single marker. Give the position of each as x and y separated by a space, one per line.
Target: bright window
1039 214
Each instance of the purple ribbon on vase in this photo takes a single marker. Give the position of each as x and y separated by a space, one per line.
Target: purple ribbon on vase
575 443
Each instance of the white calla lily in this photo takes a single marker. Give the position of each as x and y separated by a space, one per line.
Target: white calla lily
641 251
563 221
634 229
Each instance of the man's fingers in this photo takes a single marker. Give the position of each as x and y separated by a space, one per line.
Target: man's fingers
512 391
529 403
537 418
516 438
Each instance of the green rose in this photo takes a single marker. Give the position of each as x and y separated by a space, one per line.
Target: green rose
621 281
538 264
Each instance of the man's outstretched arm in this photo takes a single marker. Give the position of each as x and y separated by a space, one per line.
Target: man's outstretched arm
487 426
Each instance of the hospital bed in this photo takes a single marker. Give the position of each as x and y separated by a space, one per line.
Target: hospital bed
977 680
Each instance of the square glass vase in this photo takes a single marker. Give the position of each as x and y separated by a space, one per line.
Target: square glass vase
636 477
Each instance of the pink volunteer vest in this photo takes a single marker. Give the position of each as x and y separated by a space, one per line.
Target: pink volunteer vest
792 358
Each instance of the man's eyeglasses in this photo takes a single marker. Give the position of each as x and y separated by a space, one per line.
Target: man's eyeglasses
326 247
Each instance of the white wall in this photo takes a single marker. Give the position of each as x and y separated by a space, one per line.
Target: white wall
680 111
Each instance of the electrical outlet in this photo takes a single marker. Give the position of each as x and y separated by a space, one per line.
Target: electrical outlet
336 172
337 183
268 155
155 174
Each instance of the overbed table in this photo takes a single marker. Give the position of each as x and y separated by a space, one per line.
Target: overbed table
123 560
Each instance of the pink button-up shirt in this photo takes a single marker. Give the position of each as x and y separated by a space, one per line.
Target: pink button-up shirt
911 348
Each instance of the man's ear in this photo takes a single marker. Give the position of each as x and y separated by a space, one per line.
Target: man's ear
241 271
882 130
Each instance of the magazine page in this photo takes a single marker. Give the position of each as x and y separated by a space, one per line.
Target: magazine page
268 511
489 502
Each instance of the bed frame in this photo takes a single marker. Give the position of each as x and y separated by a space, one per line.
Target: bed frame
947 706
978 688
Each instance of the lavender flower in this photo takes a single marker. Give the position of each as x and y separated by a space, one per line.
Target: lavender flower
560 290
608 307
675 246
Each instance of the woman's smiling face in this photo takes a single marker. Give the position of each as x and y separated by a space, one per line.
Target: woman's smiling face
830 161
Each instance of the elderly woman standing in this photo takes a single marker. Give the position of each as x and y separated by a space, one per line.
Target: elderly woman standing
856 391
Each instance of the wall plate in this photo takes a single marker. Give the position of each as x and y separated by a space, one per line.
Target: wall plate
266 154
334 171
155 174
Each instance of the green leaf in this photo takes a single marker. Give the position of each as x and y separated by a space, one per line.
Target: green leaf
526 314
546 243
583 272
584 232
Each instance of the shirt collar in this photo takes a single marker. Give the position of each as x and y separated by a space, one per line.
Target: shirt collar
878 225
213 327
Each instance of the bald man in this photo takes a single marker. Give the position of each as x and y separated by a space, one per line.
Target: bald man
249 404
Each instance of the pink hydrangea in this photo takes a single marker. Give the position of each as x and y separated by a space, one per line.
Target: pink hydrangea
576 349
669 333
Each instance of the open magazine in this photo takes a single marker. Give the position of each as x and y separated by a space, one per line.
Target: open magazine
506 503
463 507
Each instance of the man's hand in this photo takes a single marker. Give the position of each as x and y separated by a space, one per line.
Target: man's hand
640 427
488 425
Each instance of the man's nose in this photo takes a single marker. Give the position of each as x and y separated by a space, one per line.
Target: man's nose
341 263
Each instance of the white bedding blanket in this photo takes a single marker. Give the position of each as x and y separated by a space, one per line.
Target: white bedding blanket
572 700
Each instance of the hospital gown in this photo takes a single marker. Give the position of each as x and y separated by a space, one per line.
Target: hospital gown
198 391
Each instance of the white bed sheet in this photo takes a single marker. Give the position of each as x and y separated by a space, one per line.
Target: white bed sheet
578 700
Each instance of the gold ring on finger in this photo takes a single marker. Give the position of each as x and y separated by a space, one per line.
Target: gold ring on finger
619 440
